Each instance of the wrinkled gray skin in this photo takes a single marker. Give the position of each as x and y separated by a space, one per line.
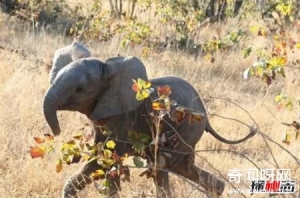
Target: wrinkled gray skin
103 92
66 55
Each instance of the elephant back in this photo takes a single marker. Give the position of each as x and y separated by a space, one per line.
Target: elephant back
181 91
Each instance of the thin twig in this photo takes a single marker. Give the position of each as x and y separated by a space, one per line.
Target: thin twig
259 130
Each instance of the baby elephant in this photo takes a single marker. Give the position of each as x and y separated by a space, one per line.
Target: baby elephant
66 55
103 92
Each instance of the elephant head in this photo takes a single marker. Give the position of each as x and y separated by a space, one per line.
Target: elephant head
66 55
94 88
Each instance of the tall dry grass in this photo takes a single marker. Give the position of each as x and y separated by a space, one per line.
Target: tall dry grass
24 80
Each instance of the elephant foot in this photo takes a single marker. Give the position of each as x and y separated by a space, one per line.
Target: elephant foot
210 182
79 182
74 185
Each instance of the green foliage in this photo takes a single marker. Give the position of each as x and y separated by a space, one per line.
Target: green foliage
271 60
284 102
139 141
135 33
228 42
138 162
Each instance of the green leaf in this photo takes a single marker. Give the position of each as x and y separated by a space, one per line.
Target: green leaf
138 162
254 29
259 71
50 149
110 144
107 152
138 147
278 98
97 173
144 138
247 52
105 183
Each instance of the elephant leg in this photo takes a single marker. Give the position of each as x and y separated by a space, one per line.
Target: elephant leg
162 184
208 181
79 181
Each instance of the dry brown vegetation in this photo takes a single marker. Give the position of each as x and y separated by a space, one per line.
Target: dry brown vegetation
24 80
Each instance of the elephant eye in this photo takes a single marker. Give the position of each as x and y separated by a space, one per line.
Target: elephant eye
79 89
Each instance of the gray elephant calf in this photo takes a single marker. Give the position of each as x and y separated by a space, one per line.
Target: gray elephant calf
66 55
103 92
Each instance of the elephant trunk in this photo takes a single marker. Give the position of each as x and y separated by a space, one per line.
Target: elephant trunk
50 106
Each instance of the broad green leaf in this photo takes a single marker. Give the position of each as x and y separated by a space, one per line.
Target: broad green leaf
50 149
97 173
254 29
142 95
278 61
143 84
247 52
107 153
138 162
138 146
110 144
259 71
278 98
144 138
133 135
105 183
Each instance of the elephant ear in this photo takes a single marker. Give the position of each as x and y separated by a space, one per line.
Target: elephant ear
78 51
119 97
64 56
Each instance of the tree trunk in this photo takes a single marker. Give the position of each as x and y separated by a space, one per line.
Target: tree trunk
112 9
116 8
132 8
237 6
120 8
210 9
195 4
222 5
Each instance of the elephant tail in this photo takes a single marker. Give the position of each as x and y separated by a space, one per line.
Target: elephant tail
209 129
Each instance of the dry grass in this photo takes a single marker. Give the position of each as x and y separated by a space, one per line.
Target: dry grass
24 80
